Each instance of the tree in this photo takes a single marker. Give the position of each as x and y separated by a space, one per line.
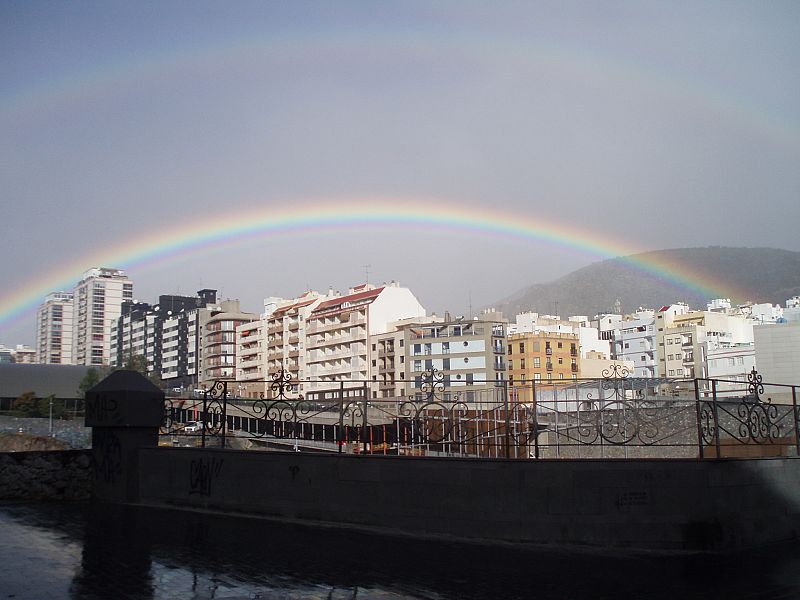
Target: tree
91 379
26 405
138 363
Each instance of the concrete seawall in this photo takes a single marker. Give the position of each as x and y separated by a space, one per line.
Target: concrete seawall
642 504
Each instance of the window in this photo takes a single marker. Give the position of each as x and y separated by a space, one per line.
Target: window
537 362
417 348
537 376
536 346
560 345
510 365
418 365
522 348
740 360
561 376
446 363
560 360
522 364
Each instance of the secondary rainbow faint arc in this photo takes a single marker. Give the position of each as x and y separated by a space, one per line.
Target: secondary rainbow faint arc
214 230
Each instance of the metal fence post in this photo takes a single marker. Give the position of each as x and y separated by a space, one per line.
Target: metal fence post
364 419
699 424
796 424
341 416
506 441
224 424
535 422
204 419
716 416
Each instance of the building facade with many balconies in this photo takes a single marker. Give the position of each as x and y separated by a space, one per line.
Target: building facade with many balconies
97 306
54 329
338 332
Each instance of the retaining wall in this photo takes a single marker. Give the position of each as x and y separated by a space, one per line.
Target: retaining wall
55 475
645 504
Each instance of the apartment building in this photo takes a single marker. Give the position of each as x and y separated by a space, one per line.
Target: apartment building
469 354
635 342
684 338
544 356
777 352
216 329
97 306
251 363
54 329
338 334
166 334
287 345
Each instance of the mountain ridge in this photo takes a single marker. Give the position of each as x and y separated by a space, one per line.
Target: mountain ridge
763 274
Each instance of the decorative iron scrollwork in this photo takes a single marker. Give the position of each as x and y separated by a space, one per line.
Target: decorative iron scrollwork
282 384
215 400
616 371
754 384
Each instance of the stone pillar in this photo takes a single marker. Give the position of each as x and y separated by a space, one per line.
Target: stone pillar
125 411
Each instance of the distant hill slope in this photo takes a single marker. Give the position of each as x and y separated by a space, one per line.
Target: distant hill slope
764 274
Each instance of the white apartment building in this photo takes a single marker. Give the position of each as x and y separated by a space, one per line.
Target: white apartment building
286 327
470 355
730 365
635 342
338 333
685 337
97 305
251 363
54 329
777 352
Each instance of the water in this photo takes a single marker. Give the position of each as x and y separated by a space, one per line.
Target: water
86 551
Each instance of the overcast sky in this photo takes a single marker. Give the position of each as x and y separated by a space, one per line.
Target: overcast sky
663 124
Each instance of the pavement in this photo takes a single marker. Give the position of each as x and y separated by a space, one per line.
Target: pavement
87 551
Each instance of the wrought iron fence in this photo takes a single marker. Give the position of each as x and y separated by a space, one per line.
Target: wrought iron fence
616 416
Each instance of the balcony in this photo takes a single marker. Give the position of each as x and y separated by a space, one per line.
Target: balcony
549 366
548 351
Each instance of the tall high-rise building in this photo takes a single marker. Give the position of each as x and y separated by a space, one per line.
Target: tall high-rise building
54 329
97 305
167 334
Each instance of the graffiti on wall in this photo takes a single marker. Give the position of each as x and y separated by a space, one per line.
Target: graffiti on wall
202 472
106 456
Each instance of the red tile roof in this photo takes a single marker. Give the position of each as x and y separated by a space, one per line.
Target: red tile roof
283 309
333 302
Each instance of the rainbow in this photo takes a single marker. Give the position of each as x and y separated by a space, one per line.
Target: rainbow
207 234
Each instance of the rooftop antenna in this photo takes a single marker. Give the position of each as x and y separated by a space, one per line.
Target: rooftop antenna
469 300
366 272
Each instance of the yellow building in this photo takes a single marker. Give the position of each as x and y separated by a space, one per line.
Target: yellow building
542 356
